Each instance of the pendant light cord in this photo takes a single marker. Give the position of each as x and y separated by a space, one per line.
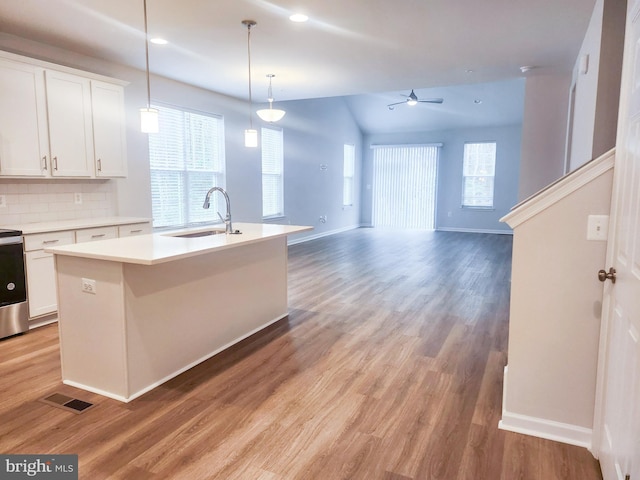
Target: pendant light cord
249 25
146 51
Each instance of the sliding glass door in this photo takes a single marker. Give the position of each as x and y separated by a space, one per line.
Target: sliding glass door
404 186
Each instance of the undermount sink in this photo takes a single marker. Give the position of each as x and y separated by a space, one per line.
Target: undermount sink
200 233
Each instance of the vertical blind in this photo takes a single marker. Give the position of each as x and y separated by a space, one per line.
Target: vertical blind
404 186
272 173
348 174
186 158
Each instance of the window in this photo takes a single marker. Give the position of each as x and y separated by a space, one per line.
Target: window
404 186
349 172
478 174
187 159
272 173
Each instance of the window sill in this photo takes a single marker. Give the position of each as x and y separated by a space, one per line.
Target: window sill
471 207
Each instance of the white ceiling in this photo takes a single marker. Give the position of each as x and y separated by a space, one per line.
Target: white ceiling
348 47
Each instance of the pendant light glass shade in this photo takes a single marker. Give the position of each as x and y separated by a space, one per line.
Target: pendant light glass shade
251 138
149 120
148 115
270 114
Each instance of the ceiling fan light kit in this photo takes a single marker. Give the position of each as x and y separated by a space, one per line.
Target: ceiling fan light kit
412 99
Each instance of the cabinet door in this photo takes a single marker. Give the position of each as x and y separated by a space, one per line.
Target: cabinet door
23 123
41 283
69 114
107 101
134 229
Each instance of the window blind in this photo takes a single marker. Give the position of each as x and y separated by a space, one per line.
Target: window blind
348 174
272 173
186 159
478 173
404 186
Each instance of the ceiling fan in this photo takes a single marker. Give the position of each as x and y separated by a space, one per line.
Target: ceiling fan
412 99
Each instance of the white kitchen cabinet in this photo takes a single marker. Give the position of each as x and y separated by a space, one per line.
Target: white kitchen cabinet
134 229
41 282
41 275
24 146
58 122
70 124
109 136
94 234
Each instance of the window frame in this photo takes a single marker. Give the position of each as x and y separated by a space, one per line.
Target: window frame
188 197
277 174
464 197
348 175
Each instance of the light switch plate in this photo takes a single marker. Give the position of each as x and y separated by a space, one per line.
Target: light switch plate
598 227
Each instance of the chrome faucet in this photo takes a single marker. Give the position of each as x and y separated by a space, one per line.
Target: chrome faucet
228 228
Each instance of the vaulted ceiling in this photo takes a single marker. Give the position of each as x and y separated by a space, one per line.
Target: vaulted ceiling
348 47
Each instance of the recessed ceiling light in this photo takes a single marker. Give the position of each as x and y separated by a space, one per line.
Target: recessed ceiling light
158 41
299 17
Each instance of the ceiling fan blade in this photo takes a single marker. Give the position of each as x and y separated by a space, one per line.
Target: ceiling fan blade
432 100
391 105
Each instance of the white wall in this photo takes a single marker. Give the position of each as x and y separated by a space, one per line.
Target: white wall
450 215
555 313
544 129
597 92
315 132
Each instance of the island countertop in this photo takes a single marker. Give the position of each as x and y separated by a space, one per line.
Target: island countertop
165 246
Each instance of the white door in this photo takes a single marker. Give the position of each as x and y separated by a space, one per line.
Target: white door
617 421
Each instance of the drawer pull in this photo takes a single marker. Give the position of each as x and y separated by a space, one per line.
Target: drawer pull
47 242
98 235
135 231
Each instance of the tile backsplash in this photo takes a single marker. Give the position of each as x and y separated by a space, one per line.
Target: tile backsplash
30 201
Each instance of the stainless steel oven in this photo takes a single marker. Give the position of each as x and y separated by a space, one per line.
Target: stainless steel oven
14 311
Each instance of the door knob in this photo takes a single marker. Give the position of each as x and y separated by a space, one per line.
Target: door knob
610 275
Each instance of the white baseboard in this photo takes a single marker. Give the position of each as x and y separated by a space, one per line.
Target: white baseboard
541 427
474 230
293 241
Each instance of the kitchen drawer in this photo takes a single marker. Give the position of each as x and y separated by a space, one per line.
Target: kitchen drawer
134 229
93 234
39 241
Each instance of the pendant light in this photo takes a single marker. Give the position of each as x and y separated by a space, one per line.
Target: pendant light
270 114
251 134
148 115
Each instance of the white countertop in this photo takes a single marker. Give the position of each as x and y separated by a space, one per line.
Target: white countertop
162 247
76 224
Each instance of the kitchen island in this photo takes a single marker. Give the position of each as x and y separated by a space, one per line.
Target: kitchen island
135 312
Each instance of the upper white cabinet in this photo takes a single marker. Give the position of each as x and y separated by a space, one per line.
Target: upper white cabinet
24 145
70 124
59 122
109 136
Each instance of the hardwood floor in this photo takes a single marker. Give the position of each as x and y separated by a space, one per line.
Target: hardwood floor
389 367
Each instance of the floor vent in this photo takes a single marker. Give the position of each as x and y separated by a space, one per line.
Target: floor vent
66 403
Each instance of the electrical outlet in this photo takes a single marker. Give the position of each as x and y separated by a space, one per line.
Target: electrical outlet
597 227
77 198
3 201
89 285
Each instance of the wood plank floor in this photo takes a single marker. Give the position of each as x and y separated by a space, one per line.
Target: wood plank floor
389 367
